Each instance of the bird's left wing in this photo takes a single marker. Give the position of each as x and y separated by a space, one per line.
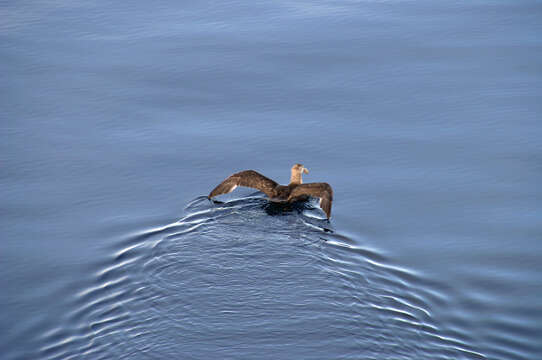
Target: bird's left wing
248 178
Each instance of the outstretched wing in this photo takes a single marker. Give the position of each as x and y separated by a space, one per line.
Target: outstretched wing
319 190
248 178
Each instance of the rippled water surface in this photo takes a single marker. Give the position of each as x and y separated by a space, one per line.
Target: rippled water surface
118 119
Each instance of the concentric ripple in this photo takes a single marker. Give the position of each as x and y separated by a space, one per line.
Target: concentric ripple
230 281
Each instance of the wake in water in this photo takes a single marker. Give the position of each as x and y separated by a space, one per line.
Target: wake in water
307 212
229 279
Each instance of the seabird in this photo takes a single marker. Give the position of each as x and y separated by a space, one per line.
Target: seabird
294 191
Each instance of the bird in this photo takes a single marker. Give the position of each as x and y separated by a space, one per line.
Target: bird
294 191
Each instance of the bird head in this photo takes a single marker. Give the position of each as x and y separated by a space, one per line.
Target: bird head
297 170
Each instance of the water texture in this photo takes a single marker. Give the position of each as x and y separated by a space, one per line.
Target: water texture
118 119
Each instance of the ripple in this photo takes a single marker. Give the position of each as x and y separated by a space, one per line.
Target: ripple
233 277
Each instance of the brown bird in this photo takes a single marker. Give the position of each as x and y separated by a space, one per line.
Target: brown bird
294 191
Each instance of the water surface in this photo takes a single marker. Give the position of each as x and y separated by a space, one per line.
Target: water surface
423 116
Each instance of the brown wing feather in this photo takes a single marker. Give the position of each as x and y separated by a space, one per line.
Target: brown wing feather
248 178
319 190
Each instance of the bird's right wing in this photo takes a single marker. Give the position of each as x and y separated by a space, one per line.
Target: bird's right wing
247 178
319 190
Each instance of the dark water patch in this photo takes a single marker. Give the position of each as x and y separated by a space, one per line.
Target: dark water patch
230 279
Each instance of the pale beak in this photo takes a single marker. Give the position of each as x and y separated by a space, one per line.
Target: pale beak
305 170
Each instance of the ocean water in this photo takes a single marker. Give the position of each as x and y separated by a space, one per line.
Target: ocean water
118 119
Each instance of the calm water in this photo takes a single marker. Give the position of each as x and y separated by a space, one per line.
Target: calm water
424 117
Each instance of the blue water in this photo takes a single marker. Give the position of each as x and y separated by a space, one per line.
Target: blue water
118 118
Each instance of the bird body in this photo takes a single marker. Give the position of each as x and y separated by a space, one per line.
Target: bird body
294 191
